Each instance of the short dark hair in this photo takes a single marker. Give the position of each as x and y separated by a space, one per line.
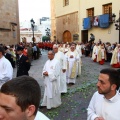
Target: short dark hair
114 76
26 91
2 50
72 43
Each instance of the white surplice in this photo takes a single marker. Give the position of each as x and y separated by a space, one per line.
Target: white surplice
52 96
101 107
71 62
41 116
79 50
63 65
6 71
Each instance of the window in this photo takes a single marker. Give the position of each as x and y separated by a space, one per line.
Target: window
90 12
66 2
107 9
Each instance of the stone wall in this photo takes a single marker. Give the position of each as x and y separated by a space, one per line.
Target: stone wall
69 23
9 22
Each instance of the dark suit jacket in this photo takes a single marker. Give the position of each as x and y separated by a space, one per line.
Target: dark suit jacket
9 57
23 66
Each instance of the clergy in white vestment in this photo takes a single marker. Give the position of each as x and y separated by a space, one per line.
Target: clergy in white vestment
72 57
66 49
63 66
79 50
51 74
60 47
6 70
95 52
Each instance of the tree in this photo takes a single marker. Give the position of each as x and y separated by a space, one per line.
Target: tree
45 38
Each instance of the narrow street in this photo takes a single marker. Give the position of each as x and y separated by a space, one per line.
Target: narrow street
75 102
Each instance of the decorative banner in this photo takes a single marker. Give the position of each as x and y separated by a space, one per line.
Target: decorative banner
87 23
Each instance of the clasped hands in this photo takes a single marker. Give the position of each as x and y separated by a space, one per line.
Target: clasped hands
45 73
71 56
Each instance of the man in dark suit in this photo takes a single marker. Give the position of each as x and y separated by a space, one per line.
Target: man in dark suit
23 64
8 55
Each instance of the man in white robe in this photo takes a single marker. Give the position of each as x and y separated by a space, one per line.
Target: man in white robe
6 70
105 103
63 66
95 52
79 50
72 57
51 74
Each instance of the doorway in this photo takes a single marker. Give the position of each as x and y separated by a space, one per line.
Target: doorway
84 36
67 36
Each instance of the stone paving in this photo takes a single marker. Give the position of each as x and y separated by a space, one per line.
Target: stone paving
74 103
36 69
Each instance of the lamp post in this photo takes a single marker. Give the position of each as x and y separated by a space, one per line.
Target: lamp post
32 26
117 24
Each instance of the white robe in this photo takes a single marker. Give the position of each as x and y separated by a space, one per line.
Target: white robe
52 98
101 107
95 52
79 50
71 63
41 116
6 71
63 65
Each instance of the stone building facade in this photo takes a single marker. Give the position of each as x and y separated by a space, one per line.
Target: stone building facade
71 18
64 20
9 22
53 21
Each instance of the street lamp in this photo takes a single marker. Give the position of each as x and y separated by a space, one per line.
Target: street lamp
32 26
48 33
117 25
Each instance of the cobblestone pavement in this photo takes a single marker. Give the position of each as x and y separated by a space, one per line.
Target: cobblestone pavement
75 102
36 69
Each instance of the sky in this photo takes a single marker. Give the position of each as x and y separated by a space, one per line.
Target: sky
35 9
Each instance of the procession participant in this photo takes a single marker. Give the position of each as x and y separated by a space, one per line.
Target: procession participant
38 54
87 49
114 61
8 56
78 49
23 94
29 52
95 52
63 66
72 57
25 51
66 49
6 70
34 51
61 48
51 75
101 57
108 51
13 56
105 103
23 64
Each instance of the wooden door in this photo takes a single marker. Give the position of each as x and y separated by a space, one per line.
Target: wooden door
67 37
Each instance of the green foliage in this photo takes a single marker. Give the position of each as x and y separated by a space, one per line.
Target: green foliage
45 38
